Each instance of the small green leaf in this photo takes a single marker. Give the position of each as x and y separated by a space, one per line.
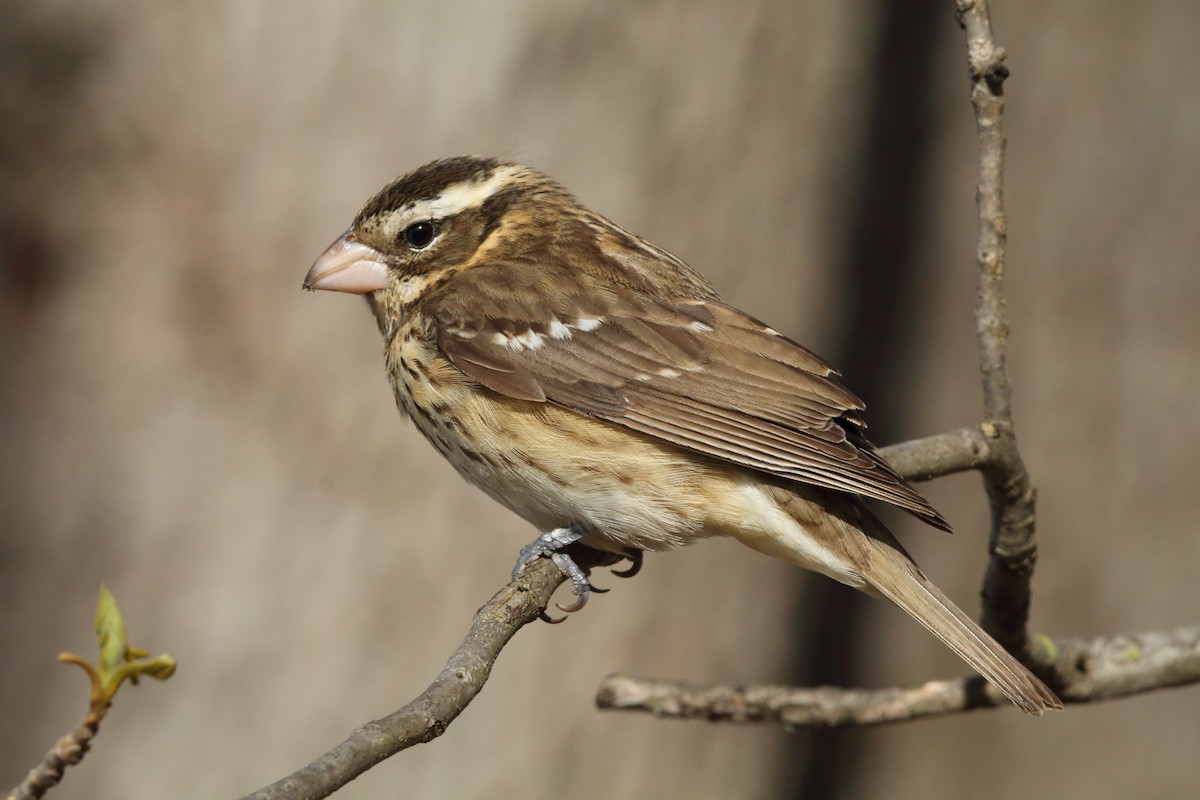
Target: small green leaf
159 668
110 631
118 661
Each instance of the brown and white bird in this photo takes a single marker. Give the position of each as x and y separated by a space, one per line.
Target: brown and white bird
597 386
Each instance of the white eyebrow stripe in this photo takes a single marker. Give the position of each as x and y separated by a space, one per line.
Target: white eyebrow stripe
459 197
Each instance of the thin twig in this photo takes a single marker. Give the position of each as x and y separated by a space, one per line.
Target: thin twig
1012 545
1100 668
68 751
938 455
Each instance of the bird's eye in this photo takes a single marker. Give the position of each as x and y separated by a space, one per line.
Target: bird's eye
419 235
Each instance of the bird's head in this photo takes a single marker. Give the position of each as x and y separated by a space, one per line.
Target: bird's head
438 219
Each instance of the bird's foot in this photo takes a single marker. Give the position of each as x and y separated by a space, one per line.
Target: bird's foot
548 544
551 544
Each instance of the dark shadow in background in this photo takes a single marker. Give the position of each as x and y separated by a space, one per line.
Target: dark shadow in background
881 271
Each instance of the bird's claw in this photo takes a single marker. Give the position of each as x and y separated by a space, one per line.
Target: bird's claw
579 585
579 582
635 564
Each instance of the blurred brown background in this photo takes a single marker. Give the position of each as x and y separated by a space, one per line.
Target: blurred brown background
178 419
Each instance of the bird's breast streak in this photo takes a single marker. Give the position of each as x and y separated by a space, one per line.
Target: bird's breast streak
549 465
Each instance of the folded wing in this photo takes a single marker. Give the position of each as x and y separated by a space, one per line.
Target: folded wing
696 373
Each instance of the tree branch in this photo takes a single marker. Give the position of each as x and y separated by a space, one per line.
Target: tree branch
941 454
1012 546
1100 668
68 751
427 717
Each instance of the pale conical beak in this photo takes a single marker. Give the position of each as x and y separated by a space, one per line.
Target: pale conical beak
348 265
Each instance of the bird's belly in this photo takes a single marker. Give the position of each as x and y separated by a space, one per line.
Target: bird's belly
555 467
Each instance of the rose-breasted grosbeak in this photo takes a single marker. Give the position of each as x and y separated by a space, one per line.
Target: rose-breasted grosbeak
598 387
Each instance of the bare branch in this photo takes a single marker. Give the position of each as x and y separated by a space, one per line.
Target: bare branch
428 716
1107 667
823 706
68 751
988 72
940 454
1011 496
1100 668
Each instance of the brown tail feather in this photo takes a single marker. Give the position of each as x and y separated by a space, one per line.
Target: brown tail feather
897 578
947 622
840 537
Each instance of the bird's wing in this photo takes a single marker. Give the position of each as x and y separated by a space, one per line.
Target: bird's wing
696 373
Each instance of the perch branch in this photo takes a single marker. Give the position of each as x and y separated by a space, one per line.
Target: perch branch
428 716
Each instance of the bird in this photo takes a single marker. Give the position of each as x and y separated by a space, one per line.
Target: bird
600 388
